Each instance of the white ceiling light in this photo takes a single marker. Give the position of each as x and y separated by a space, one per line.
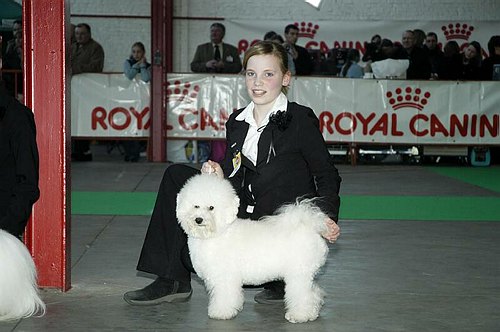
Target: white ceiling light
314 3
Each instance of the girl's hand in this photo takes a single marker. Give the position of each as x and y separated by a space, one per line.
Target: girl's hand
333 231
212 167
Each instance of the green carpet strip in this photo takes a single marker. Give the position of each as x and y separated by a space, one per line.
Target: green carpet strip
439 208
486 177
112 203
361 207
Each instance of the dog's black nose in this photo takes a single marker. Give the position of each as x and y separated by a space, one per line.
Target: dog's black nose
199 220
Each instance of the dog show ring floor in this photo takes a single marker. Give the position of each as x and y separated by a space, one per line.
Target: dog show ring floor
419 251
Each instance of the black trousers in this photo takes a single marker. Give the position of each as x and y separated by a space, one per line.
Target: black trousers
165 252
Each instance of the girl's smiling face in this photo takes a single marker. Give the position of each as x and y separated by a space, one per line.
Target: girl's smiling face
264 80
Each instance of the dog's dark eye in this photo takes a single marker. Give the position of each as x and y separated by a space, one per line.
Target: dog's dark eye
196 206
210 207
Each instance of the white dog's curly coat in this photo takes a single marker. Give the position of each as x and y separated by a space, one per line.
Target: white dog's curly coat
19 296
228 252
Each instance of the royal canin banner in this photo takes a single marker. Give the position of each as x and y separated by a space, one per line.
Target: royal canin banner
109 105
324 35
349 110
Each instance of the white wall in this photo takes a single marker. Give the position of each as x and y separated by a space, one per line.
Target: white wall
116 35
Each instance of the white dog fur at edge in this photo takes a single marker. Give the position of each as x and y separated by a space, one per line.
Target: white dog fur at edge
228 252
19 296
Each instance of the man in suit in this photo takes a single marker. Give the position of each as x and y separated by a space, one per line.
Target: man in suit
216 56
301 57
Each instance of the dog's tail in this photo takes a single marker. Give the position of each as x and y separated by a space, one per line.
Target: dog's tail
19 296
305 212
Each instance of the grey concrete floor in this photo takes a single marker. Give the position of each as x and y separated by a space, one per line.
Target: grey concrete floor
380 276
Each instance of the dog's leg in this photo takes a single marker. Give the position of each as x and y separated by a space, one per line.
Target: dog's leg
303 299
225 299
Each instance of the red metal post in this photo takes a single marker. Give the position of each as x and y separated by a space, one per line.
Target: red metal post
160 60
169 33
46 92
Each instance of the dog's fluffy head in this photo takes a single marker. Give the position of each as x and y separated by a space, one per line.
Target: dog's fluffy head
206 205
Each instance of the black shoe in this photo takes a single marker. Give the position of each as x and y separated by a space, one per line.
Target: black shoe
270 296
161 290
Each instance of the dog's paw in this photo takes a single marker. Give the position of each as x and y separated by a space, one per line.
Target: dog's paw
299 317
222 313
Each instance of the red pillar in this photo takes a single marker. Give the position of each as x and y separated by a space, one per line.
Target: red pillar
47 94
161 48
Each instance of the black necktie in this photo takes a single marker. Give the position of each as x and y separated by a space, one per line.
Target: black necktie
217 53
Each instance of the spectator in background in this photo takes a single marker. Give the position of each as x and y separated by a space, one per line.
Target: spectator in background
419 37
301 57
216 56
17 26
87 56
351 68
420 67
136 65
376 40
389 50
433 52
373 49
13 59
471 62
492 60
449 66
273 36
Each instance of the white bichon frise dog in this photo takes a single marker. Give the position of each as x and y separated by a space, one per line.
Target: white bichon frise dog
228 252
19 296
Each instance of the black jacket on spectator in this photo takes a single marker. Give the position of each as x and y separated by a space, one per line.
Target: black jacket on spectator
434 56
303 63
487 67
471 72
449 67
18 165
396 53
372 53
420 66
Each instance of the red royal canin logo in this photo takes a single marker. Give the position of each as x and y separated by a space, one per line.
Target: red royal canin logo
180 92
408 98
457 31
307 30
